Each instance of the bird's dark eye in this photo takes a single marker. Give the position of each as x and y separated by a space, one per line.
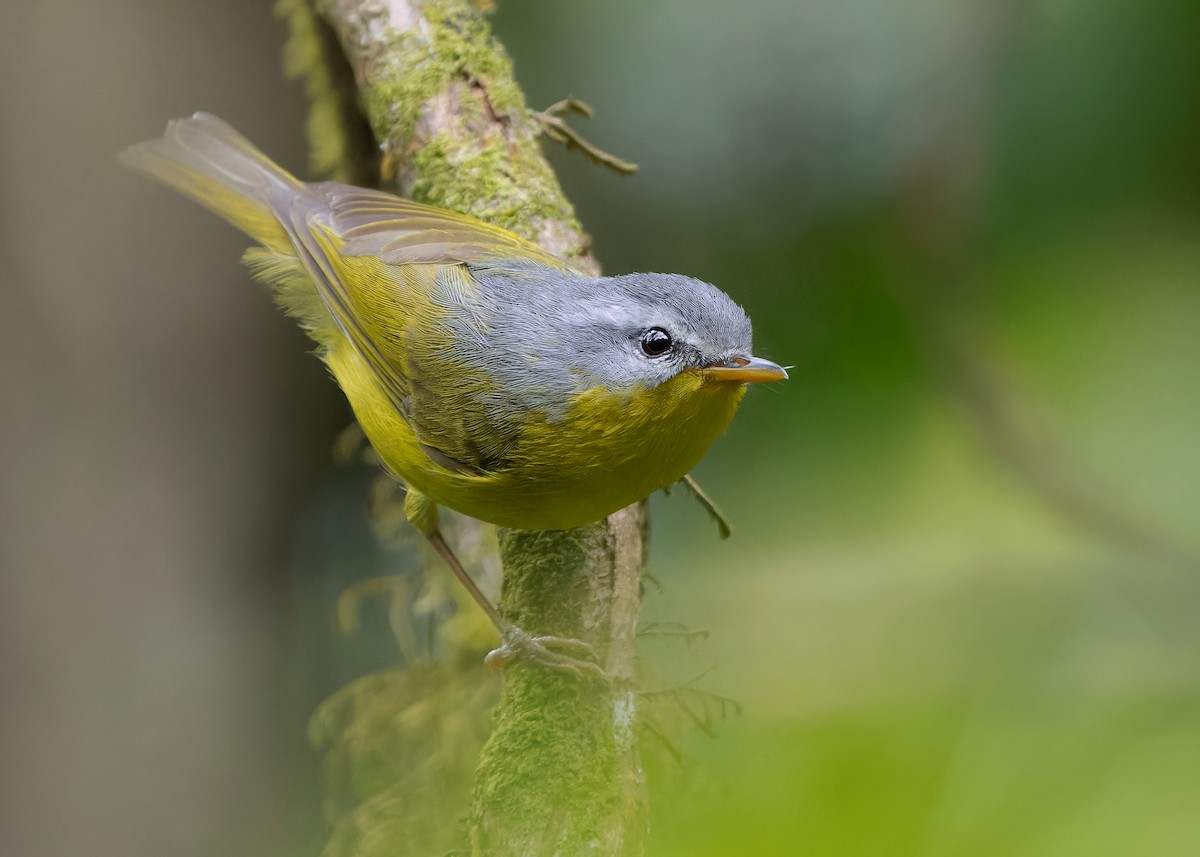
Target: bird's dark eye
656 342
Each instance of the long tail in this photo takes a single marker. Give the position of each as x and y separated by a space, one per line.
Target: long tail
205 159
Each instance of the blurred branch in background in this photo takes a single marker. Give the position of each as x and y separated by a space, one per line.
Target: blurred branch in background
341 146
940 211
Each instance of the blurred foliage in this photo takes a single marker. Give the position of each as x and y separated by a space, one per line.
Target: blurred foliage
399 751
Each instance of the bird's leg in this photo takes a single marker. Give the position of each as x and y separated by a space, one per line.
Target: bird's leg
708 503
515 644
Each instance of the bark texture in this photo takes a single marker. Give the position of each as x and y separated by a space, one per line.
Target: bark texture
560 773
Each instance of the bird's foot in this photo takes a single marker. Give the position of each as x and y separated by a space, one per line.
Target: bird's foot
519 646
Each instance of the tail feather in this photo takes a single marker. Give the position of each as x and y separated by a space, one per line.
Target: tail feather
204 158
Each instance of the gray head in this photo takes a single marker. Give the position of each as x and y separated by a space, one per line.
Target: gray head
644 329
553 335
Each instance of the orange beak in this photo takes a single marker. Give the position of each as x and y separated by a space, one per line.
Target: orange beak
746 369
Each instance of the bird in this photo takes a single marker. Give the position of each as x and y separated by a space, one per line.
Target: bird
490 376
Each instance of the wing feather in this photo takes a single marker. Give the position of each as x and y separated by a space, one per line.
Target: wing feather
403 232
391 271
315 254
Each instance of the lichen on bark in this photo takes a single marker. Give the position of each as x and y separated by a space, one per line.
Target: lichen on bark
452 124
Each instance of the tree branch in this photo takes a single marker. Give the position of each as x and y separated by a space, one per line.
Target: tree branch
560 773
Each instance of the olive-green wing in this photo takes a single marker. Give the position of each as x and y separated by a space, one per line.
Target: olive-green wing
390 270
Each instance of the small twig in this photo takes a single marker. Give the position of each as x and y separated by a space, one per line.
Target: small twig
554 126
672 629
651 728
703 719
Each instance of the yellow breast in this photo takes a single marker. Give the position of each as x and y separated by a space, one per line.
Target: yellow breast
611 449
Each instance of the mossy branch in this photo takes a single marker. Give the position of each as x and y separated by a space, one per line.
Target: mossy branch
560 773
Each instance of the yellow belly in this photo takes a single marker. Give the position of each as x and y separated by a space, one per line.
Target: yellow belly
609 451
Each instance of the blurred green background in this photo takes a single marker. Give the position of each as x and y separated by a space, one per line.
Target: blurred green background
960 607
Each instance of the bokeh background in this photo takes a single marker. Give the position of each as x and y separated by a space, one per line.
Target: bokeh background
960 608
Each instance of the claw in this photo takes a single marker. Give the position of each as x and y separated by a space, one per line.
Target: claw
519 646
567 643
